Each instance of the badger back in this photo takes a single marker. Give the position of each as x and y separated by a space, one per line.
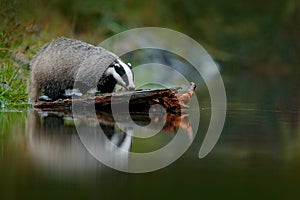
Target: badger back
65 60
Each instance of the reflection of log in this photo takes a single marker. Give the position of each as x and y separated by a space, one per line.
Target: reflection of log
171 122
140 100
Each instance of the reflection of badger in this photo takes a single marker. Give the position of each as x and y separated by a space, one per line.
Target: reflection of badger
59 63
54 144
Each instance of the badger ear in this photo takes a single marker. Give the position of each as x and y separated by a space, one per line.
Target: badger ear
129 65
116 65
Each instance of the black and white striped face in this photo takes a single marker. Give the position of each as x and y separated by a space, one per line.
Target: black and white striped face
122 73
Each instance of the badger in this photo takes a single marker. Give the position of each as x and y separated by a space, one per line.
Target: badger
64 62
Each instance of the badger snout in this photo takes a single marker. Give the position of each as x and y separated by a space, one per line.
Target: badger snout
131 88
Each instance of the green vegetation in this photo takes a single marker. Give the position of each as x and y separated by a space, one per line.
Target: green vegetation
13 85
261 36
15 39
12 71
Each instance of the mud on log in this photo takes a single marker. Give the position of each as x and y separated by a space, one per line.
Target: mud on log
140 100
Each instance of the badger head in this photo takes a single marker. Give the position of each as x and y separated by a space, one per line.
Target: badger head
122 73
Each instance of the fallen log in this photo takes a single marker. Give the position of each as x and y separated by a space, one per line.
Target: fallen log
139 101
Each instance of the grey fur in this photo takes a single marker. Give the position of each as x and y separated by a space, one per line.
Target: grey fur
59 63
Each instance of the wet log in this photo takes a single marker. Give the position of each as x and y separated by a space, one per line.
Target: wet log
139 101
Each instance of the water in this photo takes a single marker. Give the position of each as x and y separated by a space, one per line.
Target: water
257 155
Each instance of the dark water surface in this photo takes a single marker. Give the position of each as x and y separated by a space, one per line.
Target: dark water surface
257 155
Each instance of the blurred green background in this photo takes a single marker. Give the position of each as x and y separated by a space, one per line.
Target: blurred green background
238 33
